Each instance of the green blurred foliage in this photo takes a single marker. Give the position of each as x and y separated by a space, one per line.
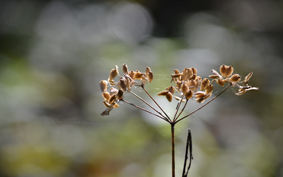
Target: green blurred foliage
53 54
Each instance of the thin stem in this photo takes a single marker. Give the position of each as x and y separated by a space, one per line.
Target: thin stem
156 103
144 110
205 103
147 103
182 110
177 109
173 148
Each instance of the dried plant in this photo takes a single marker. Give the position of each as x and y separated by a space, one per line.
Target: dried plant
187 85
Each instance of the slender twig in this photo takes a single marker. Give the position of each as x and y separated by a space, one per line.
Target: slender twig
147 103
182 110
144 110
173 148
177 109
188 147
205 104
156 103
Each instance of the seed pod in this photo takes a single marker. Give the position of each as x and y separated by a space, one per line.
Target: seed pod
247 78
194 71
113 74
125 68
209 89
113 91
163 93
184 87
235 78
169 96
108 105
222 70
221 82
176 71
122 84
193 85
193 77
205 82
112 99
147 70
138 75
178 85
171 89
189 73
200 94
103 85
229 71
150 76
132 74
115 105
120 94
106 95
189 94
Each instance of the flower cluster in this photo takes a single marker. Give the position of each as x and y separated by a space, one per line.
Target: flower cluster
113 92
191 86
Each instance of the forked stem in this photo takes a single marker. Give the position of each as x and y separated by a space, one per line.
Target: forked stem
173 147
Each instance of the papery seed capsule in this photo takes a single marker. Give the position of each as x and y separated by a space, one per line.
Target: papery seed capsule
138 75
125 68
108 105
112 99
171 89
189 72
115 105
184 87
193 85
189 94
147 70
221 82
150 76
122 84
103 85
162 93
235 78
194 71
209 89
229 71
113 74
200 94
176 71
213 76
247 78
132 74
205 82
193 77
106 95
120 94
169 96
222 70
113 91
178 85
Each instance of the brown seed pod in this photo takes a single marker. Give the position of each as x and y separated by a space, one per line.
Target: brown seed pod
184 87
189 73
176 71
125 68
235 78
221 82
229 71
112 99
113 91
106 95
103 85
147 70
122 84
193 77
115 105
178 85
189 94
138 75
193 85
194 71
106 104
162 93
113 73
120 94
150 76
132 74
169 96
205 82
247 78
171 89
200 94
209 89
222 70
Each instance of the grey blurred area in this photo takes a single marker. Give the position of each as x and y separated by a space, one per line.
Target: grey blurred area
54 53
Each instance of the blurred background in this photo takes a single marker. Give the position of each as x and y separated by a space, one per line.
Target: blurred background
54 53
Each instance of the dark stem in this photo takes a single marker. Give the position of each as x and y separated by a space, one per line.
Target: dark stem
182 110
205 103
167 117
173 148
144 110
188 147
